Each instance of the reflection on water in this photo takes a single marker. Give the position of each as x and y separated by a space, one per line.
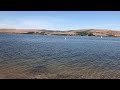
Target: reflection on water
27 56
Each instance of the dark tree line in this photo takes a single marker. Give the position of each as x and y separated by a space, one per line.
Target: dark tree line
84 34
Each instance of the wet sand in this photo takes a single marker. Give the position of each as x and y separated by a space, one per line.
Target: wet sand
62 74
82 74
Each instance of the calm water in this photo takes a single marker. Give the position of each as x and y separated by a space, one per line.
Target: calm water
37 54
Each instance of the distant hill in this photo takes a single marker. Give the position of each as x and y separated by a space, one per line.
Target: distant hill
81 32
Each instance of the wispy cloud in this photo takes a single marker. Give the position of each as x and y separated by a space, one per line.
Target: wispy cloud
54 23
38 23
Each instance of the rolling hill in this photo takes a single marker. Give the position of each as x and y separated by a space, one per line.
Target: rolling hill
81 32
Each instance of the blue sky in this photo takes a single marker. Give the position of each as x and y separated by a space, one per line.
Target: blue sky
60 20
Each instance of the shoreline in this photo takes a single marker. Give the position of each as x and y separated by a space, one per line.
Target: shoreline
57 35
79 32
62 74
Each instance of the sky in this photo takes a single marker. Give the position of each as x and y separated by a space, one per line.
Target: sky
60 20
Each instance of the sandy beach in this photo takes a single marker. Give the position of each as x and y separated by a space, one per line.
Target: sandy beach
67 74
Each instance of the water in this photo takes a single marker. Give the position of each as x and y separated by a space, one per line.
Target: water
27 56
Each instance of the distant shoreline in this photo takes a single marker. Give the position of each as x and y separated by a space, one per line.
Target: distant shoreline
82 32
58 35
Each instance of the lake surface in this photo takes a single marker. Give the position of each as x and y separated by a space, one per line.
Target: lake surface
40 56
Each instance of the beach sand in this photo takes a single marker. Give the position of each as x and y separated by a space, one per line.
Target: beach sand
66 74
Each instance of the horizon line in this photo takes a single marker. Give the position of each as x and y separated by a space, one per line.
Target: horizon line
61 29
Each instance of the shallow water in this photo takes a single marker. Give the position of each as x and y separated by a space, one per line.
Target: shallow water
28 56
